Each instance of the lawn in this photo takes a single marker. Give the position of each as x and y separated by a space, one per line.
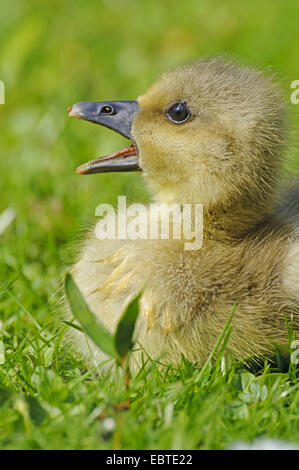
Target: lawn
52 55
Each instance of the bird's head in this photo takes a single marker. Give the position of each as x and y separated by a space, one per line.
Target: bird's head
209 132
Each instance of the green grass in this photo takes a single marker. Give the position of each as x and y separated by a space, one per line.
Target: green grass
49 401
53 54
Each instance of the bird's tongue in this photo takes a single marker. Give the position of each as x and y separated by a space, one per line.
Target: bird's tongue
123 160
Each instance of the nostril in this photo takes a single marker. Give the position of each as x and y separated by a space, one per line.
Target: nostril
106 109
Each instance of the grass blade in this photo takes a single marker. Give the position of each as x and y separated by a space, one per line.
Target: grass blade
73 325
123 338
91 324
219 341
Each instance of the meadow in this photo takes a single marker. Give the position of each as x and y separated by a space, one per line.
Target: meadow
56 53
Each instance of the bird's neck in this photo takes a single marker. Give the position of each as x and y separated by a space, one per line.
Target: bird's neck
231 221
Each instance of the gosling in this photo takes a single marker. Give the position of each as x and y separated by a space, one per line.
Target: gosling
210 133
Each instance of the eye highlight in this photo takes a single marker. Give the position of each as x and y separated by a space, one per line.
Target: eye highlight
178 112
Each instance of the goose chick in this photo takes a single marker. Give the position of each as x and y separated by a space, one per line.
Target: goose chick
210 133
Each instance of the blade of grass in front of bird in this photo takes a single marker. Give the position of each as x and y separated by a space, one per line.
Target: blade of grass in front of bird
219 341
123 338
91 324
73 325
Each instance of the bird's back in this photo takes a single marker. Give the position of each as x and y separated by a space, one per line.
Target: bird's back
287 211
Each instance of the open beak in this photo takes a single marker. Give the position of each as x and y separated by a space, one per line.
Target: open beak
116 115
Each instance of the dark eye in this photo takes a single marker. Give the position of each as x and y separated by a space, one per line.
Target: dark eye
106 110
178 112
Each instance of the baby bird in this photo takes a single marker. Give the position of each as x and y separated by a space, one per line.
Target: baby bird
210 133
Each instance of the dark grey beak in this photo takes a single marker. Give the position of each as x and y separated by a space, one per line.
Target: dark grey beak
116 115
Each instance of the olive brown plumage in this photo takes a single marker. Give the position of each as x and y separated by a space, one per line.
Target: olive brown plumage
210 133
